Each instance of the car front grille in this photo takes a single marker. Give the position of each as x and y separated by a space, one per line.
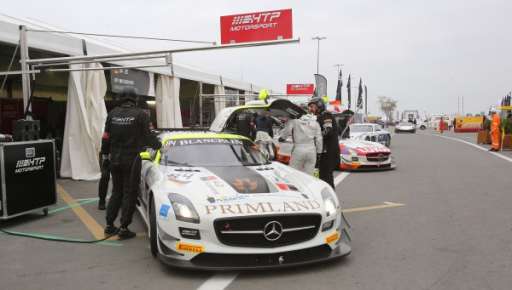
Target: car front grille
250 231
377 157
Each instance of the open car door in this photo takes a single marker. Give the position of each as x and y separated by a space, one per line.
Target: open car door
237 120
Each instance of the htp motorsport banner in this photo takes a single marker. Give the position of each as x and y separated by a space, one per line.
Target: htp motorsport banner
256 26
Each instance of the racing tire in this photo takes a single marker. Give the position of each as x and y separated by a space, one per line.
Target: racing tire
422 127
153 233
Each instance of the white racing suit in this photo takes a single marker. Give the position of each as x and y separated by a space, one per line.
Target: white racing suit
307 142
266 144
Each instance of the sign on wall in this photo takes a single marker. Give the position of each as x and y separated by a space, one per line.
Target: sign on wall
300 89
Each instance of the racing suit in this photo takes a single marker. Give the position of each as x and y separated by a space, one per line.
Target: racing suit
330 157
126 133
307 142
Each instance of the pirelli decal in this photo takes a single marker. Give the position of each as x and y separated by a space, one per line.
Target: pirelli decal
263 207
185 247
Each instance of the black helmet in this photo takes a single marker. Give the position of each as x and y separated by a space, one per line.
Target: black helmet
319 102
128 95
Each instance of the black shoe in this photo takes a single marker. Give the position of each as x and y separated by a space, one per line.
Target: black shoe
111 230
125 234
101 205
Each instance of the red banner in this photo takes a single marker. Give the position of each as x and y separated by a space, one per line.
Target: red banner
300 89
257 26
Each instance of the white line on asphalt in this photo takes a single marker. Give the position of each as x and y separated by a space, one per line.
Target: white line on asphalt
339 178
476 146
222 280
218 281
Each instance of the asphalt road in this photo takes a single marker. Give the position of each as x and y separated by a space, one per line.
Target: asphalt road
453 231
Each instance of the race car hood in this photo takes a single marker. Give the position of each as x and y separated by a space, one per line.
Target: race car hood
361 147
236 190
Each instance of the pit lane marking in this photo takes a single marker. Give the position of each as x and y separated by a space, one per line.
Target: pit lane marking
340 177
386 204
474 145
218 281
92 225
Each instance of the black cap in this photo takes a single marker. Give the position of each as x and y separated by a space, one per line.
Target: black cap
128 95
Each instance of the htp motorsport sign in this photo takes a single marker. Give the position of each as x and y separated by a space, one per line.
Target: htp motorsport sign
257 26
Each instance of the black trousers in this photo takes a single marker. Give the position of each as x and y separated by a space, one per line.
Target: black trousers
104 180
326 169
126 180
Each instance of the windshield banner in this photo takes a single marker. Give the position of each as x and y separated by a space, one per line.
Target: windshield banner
203 141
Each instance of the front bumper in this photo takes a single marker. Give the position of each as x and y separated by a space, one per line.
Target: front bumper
366 165
236 262
398 130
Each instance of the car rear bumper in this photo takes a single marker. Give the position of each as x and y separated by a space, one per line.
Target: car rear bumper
235 262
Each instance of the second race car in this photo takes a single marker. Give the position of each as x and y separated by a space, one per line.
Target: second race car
359 155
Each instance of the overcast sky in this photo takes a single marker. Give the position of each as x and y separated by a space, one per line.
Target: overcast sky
423 53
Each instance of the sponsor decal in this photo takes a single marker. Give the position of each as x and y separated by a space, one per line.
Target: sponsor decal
332 238
31 164
164 211
180 179
123 121
258 26
263 207
286 187
186 247
221 199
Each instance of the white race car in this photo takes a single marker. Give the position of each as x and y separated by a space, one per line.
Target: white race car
356 155
213 201
405 127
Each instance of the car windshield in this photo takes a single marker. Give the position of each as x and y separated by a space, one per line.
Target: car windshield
361 128
211 152
405 124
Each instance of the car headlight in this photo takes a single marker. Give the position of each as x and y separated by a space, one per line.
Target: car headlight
184 210
329 202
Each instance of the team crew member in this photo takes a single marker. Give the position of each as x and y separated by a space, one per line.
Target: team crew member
307 142
330 157
495 131
126 133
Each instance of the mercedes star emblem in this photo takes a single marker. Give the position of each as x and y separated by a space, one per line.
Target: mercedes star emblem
273 231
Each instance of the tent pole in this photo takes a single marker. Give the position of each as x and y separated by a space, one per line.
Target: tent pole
25 74
132 54
200 104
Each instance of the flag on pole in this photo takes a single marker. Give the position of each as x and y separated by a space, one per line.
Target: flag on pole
360 94
338 88
365 100
348 92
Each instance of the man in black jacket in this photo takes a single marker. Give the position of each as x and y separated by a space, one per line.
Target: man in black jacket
126 134
329 159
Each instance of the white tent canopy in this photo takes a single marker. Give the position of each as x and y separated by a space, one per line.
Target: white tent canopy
85 118
71 45
167 96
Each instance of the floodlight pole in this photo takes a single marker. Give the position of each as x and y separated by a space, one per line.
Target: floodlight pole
318 38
